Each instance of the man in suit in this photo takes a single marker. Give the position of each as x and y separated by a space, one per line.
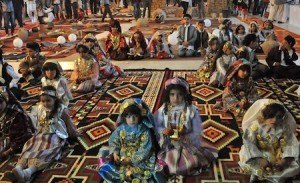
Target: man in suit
281 60
187 35
202 38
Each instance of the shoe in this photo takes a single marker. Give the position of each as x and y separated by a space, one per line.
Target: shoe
280 22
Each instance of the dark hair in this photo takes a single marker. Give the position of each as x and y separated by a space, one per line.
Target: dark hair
244 67
187 15
271 110
132 109
1 55
219 54
51 66
115 24
238 28
186 95
33 46
270 22
242 53
213 41
84 48
57 101
201 22
249 38
141 39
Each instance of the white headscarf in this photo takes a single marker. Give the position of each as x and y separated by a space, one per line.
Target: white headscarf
256 109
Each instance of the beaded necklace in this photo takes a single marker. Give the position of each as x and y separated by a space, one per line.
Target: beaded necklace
180 125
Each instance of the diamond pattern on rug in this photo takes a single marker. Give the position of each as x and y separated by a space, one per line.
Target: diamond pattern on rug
87 170
96 133
292 90
205 92
123 92
102 107
217 135
209 176
230 171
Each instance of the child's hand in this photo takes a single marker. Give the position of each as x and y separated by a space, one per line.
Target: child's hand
168 131
285 162
116 158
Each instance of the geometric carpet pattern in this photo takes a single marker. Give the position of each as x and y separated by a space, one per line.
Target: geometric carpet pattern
95 114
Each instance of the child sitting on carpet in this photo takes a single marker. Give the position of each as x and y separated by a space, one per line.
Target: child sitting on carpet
159 47
239 93
86 71
138 46
240 34
54 78
131 156
54 125
267 29
224 60
271 150
178 131
206 67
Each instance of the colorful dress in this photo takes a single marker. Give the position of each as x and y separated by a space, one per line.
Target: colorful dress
35 65
206 67
61 86
47 144
117 47
15 128
85 75
134 143
182 152
272 144
222 65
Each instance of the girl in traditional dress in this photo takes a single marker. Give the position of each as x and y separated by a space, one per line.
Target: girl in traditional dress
138 46
271 150
240 92
86 71
15 125
226 33
159 47
95 48
210 58
54 126
178 131
268 28
116 46
53 77
224 60
240 33
131 156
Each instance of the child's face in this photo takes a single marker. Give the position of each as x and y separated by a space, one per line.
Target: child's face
176 97
267 25
243 74
254 44
159 37
89 42
50 74
228 51
272 122
253 27
31 52
82 54
114 30
132 119
241 30
200 26
2 106
285 44
186 20
47 102
214 46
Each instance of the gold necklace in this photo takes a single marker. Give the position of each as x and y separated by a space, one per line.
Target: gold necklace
180 126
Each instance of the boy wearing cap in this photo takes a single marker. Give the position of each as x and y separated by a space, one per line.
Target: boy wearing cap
34 60
187 35
281 60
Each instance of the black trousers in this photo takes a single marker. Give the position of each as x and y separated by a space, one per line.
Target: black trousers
107 10
68 9
185 6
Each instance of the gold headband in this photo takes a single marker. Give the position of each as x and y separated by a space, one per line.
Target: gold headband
48 92
226 46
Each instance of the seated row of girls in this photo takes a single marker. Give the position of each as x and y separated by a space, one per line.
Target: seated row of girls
270 150
52 125
177 128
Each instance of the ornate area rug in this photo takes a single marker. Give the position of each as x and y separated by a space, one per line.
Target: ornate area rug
95 114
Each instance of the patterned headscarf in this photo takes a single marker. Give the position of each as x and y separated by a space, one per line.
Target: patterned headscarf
146 114
178 81
232 70
227 46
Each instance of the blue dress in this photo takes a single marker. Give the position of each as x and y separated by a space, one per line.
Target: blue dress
134 142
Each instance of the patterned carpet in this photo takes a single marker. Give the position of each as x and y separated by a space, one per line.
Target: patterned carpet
94 113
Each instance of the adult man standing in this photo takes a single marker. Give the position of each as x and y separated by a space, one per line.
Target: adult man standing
187 35
277 8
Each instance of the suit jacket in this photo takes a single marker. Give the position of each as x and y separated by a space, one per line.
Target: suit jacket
191 37
275 56
203 39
